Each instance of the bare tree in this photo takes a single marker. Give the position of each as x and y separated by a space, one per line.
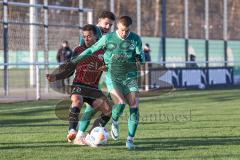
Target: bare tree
157 18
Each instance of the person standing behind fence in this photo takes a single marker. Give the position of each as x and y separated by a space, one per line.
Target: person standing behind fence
64 54
192 63
147 51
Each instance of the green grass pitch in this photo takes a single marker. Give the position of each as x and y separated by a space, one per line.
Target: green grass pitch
182 125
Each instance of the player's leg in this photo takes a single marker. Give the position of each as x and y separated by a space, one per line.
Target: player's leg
102 105
117 110
97 101
131 92
133 101
83 124
77 102
86 118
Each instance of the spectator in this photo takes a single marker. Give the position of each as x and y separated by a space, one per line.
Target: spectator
147 51
192 63
64 53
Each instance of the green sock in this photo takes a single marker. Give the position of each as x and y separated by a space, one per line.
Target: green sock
133 121
117 111
86 118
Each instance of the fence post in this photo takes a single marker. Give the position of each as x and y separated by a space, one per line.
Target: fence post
139 17
5 46
207 39
80 16
38 95
225 30
33 42
112 4
46 48
186 30
207 32
146 76
164 30
90 17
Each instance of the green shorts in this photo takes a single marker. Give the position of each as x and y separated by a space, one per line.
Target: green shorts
124 86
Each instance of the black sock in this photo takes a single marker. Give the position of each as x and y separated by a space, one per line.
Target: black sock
101 121
73 118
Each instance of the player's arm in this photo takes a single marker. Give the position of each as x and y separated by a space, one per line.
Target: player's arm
91 50
59 76
64 71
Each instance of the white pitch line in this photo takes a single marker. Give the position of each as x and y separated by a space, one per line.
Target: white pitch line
27 108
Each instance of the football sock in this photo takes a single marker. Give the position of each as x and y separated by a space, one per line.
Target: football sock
129 138
133 121
117 111
86 118
73 118
101 121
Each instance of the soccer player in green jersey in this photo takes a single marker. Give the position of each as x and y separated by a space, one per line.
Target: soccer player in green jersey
123 50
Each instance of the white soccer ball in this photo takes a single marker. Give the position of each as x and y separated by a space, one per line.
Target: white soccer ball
99 136
201 86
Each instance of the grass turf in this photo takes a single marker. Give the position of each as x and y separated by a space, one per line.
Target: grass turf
180 125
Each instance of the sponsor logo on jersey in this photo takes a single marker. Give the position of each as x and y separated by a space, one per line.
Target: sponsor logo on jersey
111 46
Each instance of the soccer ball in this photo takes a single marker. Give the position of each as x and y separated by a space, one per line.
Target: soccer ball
99 136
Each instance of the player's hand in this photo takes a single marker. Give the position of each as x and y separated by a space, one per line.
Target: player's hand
51 77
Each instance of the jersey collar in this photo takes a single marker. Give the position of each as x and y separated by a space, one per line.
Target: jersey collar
121 37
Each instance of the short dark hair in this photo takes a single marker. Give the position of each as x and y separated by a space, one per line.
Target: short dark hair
125 20
90 27
107 14
65 41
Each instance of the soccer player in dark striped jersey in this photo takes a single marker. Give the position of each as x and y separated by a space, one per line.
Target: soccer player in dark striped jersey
105 21
85 87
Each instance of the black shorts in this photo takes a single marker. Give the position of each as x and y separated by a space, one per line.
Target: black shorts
89 93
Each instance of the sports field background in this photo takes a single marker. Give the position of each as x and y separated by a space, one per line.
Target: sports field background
183 125
175 51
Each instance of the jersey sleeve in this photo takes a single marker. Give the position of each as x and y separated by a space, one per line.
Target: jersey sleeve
91 50
139 50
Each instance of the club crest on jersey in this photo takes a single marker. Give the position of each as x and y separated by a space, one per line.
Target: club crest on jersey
131 47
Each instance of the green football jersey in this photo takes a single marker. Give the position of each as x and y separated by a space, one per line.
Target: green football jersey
120 54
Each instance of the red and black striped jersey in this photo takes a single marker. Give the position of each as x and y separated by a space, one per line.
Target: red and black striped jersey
87 70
